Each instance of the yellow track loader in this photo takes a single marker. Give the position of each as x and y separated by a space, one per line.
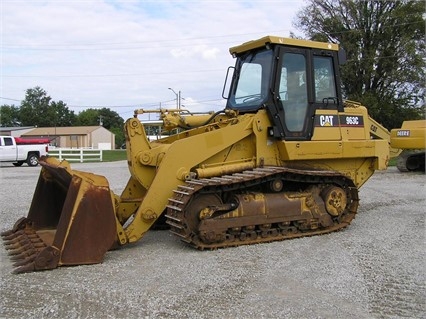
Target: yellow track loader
284 159
411 139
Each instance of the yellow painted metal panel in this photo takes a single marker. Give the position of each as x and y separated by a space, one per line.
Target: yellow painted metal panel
411 135
259 43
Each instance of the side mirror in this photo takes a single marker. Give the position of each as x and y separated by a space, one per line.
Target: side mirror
227 84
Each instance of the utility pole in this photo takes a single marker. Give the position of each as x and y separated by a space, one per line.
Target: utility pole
178 98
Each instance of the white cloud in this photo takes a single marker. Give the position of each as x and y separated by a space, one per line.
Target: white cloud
209 53
204 51
119 53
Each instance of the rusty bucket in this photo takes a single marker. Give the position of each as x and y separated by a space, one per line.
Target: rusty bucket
71 220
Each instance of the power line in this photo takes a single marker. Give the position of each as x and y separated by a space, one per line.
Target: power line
5 98
158 43
175 43
105 75
151 104
383 27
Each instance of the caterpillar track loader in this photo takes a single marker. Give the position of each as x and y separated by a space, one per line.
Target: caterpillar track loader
411 139
284 159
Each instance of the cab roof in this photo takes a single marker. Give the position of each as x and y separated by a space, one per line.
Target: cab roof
262 42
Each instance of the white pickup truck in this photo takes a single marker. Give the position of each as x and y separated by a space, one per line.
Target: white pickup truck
19 151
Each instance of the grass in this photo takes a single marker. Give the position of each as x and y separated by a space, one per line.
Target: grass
114 155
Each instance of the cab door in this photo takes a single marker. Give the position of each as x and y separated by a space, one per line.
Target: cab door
306 80
293 93
8 149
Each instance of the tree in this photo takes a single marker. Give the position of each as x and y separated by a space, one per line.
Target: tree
110 118
38 109
88 117
385 45
107 118
63 116
9 116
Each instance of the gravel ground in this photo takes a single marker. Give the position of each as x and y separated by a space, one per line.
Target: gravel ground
372 269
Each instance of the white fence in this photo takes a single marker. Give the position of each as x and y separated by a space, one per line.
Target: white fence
76 154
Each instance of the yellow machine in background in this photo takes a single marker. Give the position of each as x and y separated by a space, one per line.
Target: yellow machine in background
411 138
284 159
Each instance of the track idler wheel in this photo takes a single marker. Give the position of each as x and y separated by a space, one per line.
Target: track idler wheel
335 200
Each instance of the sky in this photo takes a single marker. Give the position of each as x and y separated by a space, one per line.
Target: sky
125 55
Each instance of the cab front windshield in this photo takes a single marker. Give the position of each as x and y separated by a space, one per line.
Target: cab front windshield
250 87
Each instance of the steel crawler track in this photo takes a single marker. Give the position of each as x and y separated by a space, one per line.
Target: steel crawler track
182 222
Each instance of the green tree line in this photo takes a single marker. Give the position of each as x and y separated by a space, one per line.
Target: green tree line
38 109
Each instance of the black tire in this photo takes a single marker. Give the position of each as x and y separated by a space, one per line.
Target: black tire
32 159
18 163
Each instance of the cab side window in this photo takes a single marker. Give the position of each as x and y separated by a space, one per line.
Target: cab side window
325 87
293 91
8 141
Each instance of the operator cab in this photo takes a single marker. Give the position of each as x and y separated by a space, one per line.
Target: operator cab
290 78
